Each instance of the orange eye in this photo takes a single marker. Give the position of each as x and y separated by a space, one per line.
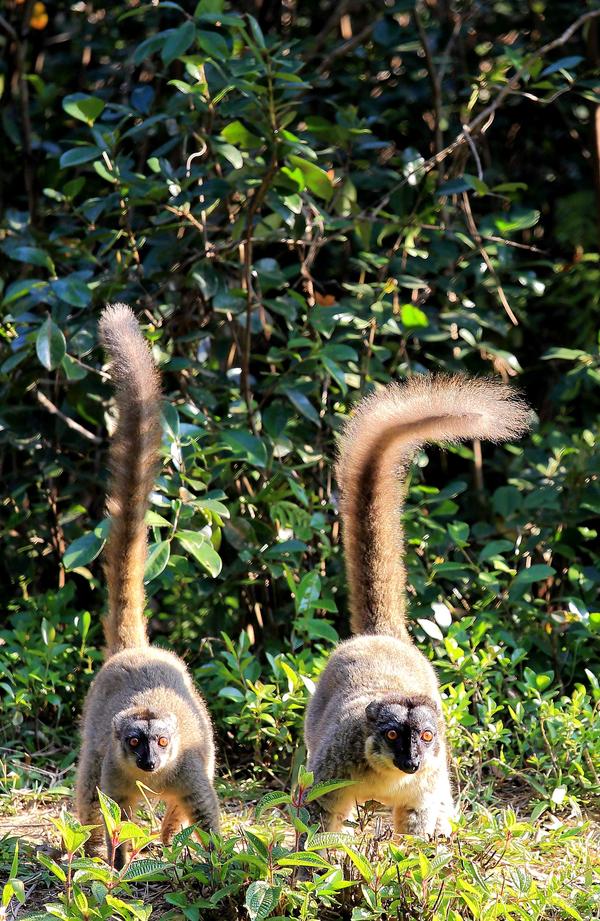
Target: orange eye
392 735
427 735
163 742
133 742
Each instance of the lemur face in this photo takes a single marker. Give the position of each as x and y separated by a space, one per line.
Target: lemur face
404 732
148 742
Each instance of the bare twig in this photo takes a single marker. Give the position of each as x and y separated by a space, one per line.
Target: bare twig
70 423
331 23
484 255
345 47
473 150
436 86
483 120
5 24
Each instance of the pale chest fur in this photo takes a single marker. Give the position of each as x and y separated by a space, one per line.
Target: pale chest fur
392 787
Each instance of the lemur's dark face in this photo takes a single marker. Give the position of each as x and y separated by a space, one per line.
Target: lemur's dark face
404 731
147 741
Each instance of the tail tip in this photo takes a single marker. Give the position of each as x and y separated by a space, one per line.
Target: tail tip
114 318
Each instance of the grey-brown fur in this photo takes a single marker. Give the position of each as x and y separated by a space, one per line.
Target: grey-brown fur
142 694
378 680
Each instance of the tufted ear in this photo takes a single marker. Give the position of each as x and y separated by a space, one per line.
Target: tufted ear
118 722
373 710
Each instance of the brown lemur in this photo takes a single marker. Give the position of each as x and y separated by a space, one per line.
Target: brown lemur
376 715
143 719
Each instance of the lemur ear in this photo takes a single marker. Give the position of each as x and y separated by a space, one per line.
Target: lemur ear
372 710
118 721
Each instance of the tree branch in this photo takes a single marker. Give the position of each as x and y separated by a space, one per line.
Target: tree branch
484 119
70 423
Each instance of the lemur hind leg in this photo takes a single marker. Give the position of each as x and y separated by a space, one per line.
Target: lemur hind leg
331 810
172 822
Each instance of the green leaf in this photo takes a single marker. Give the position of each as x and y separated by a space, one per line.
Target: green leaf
413 316
361 863
507 500
454 186
261 899
150 46
527 577
326 786
305 859
303 405
73 370
495 548
83 107
52 866
562 64
248 445
214 45
568 354
567 907
77 155
158 557
178 42
517 219
50 345
170 420
336 372
72 290
110 811
22 288
146 868
231 154
328 839
237 134
308 591
31 255
154 520
201 549
316 178
83 550
276 798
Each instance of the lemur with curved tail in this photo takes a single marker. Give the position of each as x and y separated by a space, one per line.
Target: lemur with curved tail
143 719
376 715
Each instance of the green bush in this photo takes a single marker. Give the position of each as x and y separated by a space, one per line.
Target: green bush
298 215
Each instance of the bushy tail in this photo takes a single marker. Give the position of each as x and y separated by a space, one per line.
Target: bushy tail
378 443
133 463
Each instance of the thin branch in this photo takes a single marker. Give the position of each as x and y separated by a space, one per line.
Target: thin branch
70 423
345 47
5 24
330 24
484 255
436 86
473 150
483 120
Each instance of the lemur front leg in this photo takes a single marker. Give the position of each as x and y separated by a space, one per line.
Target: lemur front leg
196 795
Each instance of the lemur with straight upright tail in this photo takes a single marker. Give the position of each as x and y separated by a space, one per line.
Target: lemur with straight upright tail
143 719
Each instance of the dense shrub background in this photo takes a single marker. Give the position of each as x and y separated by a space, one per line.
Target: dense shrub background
264 192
